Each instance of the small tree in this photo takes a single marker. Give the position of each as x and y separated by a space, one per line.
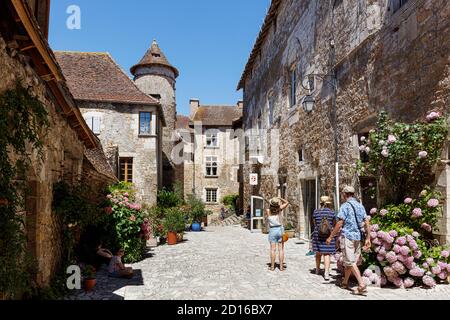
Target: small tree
231 201
196 208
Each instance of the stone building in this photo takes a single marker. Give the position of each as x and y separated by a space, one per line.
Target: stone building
71 152
388 55
156 77
128 122
211 150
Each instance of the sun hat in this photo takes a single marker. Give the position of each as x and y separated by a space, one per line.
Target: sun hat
275 202
349 189
326 200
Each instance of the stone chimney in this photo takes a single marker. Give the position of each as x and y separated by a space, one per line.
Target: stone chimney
194 104
240 104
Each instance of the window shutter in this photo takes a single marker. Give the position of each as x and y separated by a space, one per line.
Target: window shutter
96 125
88 120
153 123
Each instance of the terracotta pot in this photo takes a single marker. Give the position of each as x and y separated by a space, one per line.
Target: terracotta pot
171 238
89 284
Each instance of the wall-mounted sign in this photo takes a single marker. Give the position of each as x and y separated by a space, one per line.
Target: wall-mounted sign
253 179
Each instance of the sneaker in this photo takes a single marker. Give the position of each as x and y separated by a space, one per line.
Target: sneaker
326 276
310 253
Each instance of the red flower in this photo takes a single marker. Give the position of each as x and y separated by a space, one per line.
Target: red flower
108 210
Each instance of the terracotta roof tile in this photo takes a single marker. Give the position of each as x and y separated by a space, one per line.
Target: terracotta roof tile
97 77
182 122
217 115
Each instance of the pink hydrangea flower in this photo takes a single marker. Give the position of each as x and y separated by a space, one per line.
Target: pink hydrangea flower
413 244
396 248
443 275
133 217
363 138
373 235
408 282
415 234
433 203
393 233
404 250
367 273
109 196
382 251
425 265
423 193
399 267
126 194
436 270
448 268
373 211
408 200
383 280
442 265
367 150
389 239
398 282
423 154
445 253
410 265
390 272
383 212
387 245
430 260
417 272
391 257
374 278
385 153
391 139
380 257
401 241
433 116
417 213
375 227
426 227
376 241
428 281
125 199
417 254
401 258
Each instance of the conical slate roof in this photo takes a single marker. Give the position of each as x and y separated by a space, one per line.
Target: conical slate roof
154 56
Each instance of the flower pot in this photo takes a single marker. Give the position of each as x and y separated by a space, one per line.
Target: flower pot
89 284
171 238
290 233
179 237
196 227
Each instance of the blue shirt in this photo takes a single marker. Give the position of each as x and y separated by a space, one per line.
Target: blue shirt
351 229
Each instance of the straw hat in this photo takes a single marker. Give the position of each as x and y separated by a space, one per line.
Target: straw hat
326 200
349 189
275 202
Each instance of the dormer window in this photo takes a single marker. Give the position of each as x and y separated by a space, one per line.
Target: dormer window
156 55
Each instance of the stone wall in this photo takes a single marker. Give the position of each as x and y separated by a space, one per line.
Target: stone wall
63 159
226 182
119 128
161 81
398 62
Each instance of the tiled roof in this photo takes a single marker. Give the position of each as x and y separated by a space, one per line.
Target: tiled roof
98 160
270 17
182 122
154 56
217 115
97 77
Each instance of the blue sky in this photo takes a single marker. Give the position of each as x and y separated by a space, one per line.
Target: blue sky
209 41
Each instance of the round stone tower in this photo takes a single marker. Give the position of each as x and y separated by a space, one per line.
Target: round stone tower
155 76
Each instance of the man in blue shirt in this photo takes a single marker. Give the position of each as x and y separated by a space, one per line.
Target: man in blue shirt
352 220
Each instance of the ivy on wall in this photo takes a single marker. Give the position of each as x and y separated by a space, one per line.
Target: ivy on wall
23 120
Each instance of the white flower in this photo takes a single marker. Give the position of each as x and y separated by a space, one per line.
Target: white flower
385 153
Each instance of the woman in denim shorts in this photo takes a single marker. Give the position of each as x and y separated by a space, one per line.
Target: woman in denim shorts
274 217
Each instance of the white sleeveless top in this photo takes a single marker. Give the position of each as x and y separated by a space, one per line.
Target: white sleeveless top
274 221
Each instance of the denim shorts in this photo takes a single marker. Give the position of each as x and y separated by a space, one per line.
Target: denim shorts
275 235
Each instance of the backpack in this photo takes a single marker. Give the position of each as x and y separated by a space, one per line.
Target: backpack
325 228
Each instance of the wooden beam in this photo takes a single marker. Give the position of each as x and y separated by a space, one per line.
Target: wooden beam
26 48
31 28
21 37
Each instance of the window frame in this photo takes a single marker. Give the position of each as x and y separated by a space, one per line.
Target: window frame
125 176
211 193
150 127
211 134
211 164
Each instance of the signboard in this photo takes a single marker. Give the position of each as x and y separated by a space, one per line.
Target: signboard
253 179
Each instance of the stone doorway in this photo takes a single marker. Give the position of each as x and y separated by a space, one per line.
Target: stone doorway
309 202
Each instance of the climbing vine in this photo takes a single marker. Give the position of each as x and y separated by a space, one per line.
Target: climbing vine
23 120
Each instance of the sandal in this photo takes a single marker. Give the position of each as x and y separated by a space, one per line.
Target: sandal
360 291
344 286
272 268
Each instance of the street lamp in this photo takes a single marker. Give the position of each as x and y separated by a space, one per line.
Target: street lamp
308 103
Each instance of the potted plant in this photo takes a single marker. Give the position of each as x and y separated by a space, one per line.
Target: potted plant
197 212
290 230
89 278
174 218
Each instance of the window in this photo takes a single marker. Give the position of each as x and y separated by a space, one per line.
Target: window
126 169
271 103
211 166
293 88
397 4
211 195
211 140
145 123
93 123
301 155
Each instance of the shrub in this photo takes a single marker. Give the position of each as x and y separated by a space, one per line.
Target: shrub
174 220
169 199
196 208
231 201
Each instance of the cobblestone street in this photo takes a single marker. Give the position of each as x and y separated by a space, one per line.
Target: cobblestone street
231 263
